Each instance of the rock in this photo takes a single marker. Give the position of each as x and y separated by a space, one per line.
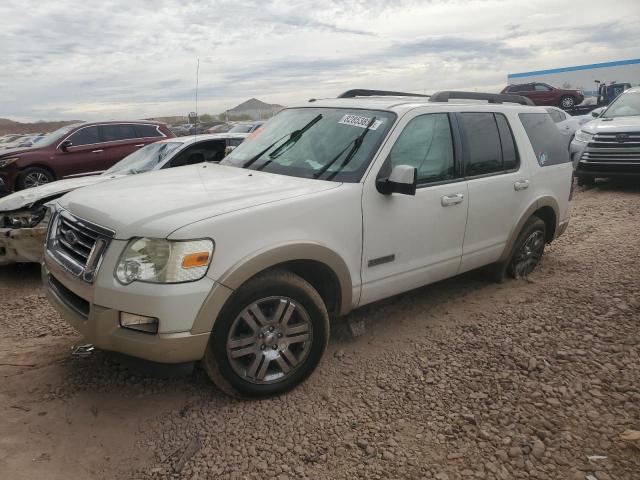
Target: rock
538 448
387 455
515 452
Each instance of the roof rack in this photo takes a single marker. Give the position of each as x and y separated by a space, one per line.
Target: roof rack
445 96
359 92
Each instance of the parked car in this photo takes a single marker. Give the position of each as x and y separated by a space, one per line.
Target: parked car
336 204
245 127
17 141
76 150
544 94
23 220
220 128
609 146
567 124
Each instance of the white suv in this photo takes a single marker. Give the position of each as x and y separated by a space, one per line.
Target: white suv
332 205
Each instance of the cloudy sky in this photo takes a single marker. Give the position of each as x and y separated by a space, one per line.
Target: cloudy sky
107 59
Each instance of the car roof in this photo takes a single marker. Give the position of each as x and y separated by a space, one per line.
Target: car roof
109 122
404 104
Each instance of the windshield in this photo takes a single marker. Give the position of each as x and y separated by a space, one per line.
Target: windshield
143 160
51 138
244 128
325 143
626 105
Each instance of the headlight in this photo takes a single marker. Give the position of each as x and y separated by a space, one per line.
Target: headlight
26 219
164 261
582 136
7 161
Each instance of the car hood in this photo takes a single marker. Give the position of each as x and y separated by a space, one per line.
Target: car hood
27 198
618 124
160 202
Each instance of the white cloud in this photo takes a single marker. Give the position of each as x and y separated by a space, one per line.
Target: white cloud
116 58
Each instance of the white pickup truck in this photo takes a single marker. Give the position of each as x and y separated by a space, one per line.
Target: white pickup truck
331 205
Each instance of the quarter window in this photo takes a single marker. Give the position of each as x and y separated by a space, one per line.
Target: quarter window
85 136
482 143
144 131
118 131
426 144
545 139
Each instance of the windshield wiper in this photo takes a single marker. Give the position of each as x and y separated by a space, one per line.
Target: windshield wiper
293 138
357 142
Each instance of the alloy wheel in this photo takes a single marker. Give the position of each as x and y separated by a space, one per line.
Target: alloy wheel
529 254
35 179
567 102
269 340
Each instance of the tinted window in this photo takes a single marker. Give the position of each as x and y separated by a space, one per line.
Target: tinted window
119 131
509 151
541 88
85 136
545 139
482 143
143 131
234 142
516 88
426 143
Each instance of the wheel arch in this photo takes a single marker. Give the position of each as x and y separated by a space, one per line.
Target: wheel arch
38 165
547 209
322 267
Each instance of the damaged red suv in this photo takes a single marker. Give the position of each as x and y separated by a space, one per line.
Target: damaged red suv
79 149
544 94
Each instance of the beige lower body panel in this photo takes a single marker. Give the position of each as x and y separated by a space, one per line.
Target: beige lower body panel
21 245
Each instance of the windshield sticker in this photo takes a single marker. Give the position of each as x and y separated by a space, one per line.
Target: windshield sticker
361 122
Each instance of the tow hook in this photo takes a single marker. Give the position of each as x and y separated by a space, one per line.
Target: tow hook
82 351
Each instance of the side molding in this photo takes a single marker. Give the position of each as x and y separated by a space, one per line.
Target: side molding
260 261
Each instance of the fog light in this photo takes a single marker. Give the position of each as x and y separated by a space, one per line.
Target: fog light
139 322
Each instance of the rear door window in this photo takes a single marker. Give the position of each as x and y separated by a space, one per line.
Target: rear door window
426 143
510 159
118 131
547 143
483 150
85 136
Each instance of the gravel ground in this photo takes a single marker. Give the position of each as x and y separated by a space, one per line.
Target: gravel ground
462 379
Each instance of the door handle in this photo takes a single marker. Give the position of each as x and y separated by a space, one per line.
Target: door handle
521 185
140 145
96 151
454 199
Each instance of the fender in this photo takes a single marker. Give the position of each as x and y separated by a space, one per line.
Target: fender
545 201
259 261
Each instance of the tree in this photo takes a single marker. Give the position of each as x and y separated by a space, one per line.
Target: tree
205 118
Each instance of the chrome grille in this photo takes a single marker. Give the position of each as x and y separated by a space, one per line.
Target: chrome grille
613 147
77 245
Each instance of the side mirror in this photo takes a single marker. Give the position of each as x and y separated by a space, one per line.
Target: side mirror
403 179
596 112
64 146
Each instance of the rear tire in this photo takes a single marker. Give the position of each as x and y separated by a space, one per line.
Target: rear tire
269 337
33 177
528 249
567 102
499 271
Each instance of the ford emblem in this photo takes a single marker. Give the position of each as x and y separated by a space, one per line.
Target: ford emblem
71 237
622 137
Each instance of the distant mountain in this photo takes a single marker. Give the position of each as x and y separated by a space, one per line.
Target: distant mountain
9 126
255 109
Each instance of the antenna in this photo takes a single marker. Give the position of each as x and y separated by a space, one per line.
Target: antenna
195 127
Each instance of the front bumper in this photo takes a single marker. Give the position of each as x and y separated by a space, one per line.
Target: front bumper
22 244
94 311
607 169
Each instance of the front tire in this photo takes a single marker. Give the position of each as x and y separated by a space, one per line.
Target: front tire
34 177
269 337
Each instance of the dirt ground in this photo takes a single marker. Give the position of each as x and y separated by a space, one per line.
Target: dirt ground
463 379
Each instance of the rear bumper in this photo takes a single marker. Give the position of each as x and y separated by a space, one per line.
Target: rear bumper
21 245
